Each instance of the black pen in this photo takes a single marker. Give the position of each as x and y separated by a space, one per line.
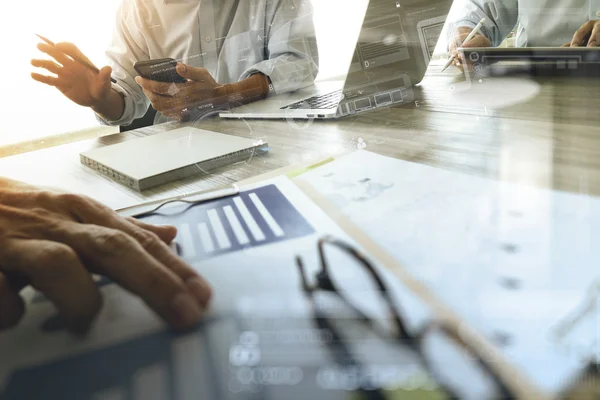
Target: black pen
87 64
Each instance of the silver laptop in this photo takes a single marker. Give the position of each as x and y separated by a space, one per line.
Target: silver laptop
395 44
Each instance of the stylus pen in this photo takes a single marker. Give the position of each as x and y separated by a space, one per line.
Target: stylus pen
83 62
474 32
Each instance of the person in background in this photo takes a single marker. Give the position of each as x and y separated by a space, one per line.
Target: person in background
54 242
228 50
539 23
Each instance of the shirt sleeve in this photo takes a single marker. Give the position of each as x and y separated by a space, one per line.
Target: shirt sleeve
291 49
594 10
125 49
501 17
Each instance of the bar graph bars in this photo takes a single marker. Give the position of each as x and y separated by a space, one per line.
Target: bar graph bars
253 218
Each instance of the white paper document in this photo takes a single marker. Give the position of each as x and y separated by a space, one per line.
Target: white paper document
258 340
64 171
515 262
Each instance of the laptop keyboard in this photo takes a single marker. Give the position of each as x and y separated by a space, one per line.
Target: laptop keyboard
322 101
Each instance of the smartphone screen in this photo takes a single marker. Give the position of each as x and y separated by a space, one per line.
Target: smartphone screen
161 70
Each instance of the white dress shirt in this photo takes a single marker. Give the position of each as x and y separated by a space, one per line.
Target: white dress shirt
541 23
232 39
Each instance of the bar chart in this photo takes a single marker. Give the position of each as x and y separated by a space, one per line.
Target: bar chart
253 218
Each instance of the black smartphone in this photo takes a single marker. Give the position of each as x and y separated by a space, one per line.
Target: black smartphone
161 70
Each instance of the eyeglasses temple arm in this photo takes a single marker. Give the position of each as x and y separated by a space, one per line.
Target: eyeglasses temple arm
305 286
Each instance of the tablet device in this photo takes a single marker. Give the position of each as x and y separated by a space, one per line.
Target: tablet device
558 55
162 158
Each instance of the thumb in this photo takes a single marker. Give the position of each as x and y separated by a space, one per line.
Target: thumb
189 72
104 74
101 86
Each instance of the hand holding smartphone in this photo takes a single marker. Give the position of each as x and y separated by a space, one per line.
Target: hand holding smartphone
160 70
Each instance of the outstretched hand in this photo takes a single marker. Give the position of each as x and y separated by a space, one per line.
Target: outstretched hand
76 81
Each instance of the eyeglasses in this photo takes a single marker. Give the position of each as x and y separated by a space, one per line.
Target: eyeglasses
448 359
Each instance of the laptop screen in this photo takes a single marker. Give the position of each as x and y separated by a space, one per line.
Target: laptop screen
396 41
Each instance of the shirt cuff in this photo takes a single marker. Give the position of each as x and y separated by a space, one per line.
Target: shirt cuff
127 111
594 10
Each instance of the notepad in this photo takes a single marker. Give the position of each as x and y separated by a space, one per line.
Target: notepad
168 156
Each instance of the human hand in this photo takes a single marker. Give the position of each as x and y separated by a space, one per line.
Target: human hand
76 81
54 241
587 35
174 99
459 37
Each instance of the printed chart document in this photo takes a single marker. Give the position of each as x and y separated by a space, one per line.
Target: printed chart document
518 264
258 340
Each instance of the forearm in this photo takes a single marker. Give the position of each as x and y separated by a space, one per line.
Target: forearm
111 108
253 88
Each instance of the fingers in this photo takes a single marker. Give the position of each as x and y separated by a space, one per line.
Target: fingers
48 80
152 244
459 37
159 101
195 74
71 50
49 65
594 39
462 33
152 239
165 104
12 306
478 41
581 35
55 270
162 88
566 45
59 56
166 233
117 255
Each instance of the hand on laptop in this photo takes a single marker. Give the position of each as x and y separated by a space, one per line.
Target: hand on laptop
54 241
174 99
459 37
587 35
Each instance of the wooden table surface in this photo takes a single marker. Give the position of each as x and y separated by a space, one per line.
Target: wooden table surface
542 132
